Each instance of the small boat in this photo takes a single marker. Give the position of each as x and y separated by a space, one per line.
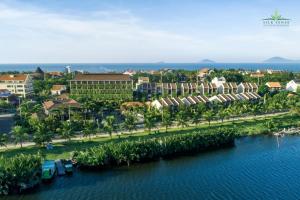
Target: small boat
68 164
48 170
60 168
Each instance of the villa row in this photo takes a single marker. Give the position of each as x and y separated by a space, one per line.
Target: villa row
193 100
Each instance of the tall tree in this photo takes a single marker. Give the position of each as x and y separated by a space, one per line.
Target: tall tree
130 121
166 119
89 129
208 115
3 139
149 118
182 118
20 135
66 130
108 124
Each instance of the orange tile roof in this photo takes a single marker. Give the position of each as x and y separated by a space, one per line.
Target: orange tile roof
48 104
58 87
273 84
13 77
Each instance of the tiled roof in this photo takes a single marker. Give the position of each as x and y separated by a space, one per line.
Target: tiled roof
102 77
13 77
58 87
273 84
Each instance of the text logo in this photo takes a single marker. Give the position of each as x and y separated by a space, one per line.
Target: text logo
276 20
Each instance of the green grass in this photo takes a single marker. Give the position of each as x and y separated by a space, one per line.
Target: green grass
244 127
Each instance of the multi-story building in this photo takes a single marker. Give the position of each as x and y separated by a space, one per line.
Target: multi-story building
106 86
18 84
293 85
247 87
207 88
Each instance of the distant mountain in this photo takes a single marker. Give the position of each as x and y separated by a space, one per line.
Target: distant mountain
278 59
207 61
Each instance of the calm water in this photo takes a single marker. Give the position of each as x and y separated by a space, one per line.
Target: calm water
255 169
98 67
6 124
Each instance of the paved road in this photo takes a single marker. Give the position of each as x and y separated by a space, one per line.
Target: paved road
103 135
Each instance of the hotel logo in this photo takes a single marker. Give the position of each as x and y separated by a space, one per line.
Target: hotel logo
276 20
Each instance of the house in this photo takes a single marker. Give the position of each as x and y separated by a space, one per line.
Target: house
142 80
203 73
247 87
169 89
55 74
257 75
50 106
129 72
18 84
233 88
207 88
218 81
58 89
148 88
272 71
39 73
5 95
273 86
224 88
293 85
102 86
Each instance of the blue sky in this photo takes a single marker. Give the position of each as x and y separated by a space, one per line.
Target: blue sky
116 31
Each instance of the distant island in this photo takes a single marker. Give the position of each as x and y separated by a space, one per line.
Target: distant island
278 59
207 61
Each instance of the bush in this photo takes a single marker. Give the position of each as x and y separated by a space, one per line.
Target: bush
126 152
18 171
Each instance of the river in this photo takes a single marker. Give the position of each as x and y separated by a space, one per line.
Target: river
254 169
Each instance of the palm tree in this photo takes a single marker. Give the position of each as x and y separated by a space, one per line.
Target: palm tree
3 140
222 114
130 121
166 119
66 130
208 115
197 114
19 134
108 124
182 119
88 130
42 133
149 119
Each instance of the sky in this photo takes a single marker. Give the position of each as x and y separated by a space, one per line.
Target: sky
145 31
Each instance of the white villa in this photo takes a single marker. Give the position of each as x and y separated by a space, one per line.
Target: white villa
293 85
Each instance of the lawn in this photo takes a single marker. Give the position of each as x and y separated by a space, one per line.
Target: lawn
244 127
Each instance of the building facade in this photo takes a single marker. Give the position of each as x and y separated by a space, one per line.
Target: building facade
18 84
106 86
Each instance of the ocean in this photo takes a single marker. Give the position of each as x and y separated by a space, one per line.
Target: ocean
120 67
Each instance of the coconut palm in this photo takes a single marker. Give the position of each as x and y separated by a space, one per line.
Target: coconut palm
149 120
19 134
166 119
182 119
88 129
208 115
108 124
130 121
66 131
42 134
223 114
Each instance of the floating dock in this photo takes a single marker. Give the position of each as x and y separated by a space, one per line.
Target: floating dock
60 168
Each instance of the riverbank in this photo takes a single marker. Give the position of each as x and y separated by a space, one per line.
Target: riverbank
244 127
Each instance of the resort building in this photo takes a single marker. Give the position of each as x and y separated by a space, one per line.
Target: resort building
55 74
273 86
58 89
149 88
187 89
207 88
18 84
293 85
247 87
106 86
169 89
257 75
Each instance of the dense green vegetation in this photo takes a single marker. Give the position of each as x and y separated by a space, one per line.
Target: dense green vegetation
19 172
129 151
